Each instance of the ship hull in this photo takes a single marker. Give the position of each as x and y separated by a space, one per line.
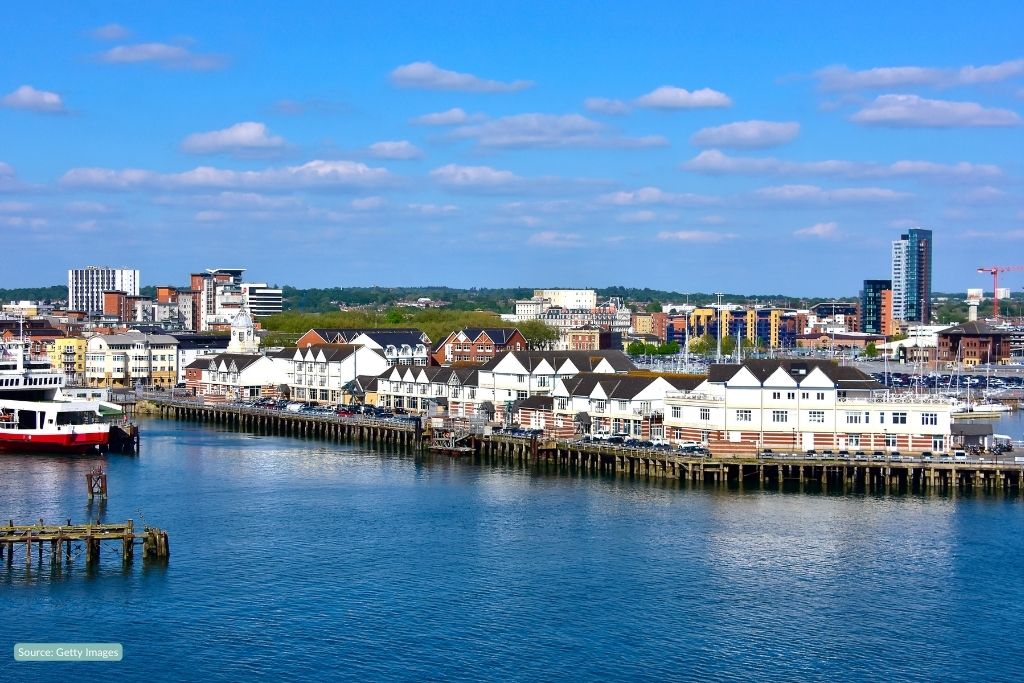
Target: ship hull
58 444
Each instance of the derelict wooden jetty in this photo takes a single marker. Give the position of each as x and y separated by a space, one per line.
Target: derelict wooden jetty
61 543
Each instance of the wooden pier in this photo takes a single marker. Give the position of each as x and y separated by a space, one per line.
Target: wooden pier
330 427
63 539
768 471
891 475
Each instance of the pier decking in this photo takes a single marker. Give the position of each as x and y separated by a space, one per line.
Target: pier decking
768 470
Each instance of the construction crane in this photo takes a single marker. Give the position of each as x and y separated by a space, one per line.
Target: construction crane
994 272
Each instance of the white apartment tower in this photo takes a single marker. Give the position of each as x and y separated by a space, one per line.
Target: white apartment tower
86 286
899 279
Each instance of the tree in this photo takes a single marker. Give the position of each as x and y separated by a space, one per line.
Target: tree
653 307
394 317
637 348
539 334
871 351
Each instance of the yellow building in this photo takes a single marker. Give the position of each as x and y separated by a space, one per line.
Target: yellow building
68 354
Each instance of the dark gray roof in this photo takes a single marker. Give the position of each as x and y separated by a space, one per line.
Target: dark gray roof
347 334
623 386
499 335
241 360
584 360
975 328
970 429
536 403
844 376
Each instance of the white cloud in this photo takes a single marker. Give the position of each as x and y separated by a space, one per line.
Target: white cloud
110 32
429 76
715 162
712 219
210 216
642 216
550 131
28 98
550 238
843 78
9 180
603 105
433 209
450 117
654 195
394 149
911 111
367 203
15 207
747 134
454 176
812 194
90 208
246 139
695 236
983 195
819 230
671 97
314 174
168 56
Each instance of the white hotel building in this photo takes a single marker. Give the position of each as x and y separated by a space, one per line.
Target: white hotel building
790 405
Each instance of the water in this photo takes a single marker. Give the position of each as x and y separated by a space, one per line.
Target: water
295 560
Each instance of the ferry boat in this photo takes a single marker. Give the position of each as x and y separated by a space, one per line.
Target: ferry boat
36 417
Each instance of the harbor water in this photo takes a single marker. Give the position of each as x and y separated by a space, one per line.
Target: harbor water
299 559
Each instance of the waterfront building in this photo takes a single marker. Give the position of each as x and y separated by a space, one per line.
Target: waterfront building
518 375
261 299
838 341
235 377
192 346
974 343
417 389
791 405
477 345
68 354
844 314
912 276
876 307
401 346
601 403
319 373
124 360
763 326
87 285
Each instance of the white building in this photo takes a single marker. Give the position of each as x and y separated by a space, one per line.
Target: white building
321 372
417 388
791 405
900 256
235 377
124 360
261 299
568 298
518 375
86 286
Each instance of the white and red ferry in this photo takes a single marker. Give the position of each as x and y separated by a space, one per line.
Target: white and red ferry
36 417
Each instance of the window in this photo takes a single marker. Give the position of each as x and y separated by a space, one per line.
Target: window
890 441
561 403
622 405
520 395
776 395
677 412
899 418
598 406
780 416
816 416
938 443
805 395
743 416
853 440
705 414
791 395
520 379
929 418
852 418
881 418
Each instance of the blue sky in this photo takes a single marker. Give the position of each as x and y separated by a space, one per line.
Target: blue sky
689 146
